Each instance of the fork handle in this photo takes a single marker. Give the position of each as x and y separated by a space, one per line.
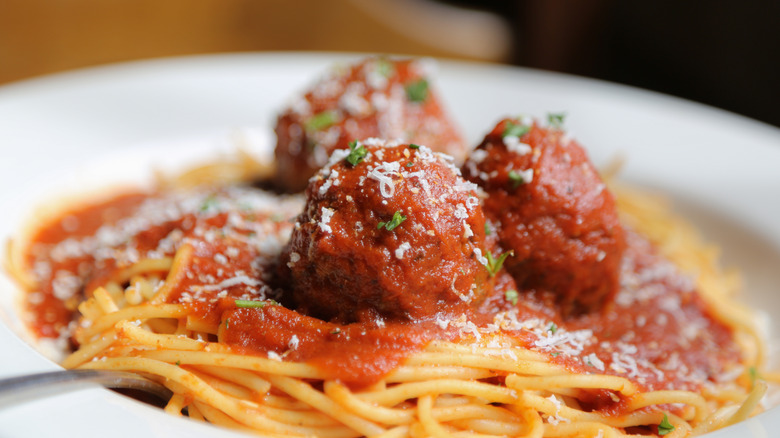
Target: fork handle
17 389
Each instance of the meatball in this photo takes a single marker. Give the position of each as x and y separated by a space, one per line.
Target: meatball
553 211
377 97
388 231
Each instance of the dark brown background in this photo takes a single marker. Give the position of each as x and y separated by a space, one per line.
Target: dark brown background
720 52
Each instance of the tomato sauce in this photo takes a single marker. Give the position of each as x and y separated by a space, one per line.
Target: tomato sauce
657 331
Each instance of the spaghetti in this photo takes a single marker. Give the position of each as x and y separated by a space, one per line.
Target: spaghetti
401 296
484 382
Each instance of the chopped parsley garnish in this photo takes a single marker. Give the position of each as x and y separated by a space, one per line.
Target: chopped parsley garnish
512 296
555 120
178 363
409 164
754 375
493 264
417 91
356 153
513 129
209 204
392 223
516 178
665 427
488 231
335 331
414 146
322 120
552 328
385 67
556 354
251 304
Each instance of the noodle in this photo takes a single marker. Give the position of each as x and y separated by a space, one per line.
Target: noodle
466 387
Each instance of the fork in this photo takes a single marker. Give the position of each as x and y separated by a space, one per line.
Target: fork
26 387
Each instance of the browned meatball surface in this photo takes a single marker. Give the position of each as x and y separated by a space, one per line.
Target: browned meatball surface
378 97
388 231
553 210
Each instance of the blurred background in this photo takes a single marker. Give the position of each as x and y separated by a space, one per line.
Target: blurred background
723 53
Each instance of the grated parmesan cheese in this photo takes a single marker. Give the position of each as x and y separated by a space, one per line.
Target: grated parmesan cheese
399 252
513 144
326 214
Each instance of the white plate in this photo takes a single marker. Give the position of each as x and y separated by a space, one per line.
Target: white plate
82 130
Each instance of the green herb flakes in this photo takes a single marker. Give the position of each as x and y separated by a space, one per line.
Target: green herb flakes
417 91
493 264
250 304
555 120
384 67
516 178
209 204
392 223
513 129
322 121
665 427
754 376
519 178
357 152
